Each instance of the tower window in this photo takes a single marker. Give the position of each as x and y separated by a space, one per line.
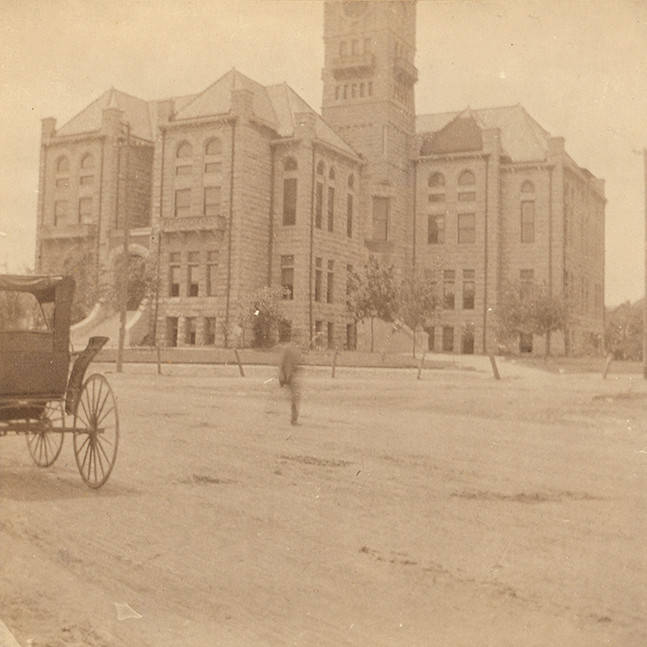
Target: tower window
380 218
528 222
289 191
466 228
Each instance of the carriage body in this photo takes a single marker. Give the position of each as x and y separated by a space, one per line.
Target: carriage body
38 391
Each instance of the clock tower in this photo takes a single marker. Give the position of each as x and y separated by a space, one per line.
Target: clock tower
368 97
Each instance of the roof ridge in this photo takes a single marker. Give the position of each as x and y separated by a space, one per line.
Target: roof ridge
80 112
200 94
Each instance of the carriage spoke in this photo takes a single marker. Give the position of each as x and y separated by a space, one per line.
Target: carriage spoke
103 451
104 416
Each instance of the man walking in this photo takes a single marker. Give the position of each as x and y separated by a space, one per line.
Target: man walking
289 375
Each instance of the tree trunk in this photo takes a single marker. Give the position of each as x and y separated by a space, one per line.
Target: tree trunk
547 352
372 334
414 343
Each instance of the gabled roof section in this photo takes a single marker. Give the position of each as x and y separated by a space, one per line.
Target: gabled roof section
287 103
135 110
461 134
522 138
216 99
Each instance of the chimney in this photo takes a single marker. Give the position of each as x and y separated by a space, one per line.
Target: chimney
165 111
47 129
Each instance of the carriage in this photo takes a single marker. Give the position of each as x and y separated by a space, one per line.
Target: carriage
40 396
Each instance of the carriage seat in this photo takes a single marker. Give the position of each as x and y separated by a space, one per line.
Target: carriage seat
29 365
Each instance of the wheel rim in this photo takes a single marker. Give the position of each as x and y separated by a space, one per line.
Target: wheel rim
46 443
96 434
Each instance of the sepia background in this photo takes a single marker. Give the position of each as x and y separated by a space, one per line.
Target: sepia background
577 67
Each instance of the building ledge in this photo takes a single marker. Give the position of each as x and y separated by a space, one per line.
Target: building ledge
405 71
194 223
345 65
78 230
379 246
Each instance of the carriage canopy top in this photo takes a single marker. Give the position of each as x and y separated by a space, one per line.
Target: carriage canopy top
45 288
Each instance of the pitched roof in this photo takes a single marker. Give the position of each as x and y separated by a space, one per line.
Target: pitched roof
276 105
287 103
522 138
89 119
216 99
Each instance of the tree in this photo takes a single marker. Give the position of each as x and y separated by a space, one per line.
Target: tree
531 309
263 312
372 294
624 330
417 300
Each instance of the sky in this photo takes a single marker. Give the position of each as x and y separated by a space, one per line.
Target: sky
578 67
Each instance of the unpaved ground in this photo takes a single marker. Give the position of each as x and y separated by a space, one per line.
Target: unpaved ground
451 511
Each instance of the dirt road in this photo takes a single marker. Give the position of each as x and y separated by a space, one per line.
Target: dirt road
454 510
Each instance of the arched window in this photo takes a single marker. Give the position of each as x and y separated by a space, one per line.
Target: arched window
183 154
527 224
350 205
331 174
62 165
184 150
87 162
212 156
436 180
213 147
62 170
290 186
466 179
527 187
321 168
436 183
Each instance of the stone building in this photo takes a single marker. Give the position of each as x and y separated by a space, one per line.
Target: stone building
244 185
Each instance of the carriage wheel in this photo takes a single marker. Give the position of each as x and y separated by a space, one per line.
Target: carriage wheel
96 431
45 444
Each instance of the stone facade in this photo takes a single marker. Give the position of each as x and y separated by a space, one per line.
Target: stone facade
243 186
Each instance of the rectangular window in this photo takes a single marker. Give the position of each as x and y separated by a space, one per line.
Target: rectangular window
355 47
342 48
431 337
331 208
290 201
349 215
331 335
436 232
380 219
526 279
192 279
60 212
62 183
85 211
285 330
184 169
209 331
318 279
86 180
182 203
318 205
468 289
212 269
467 196
351 336
527 222
171 331
448 339
448 289
212 167
367 45
190 328
330 282
466 228
287 276
211 201
436 197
